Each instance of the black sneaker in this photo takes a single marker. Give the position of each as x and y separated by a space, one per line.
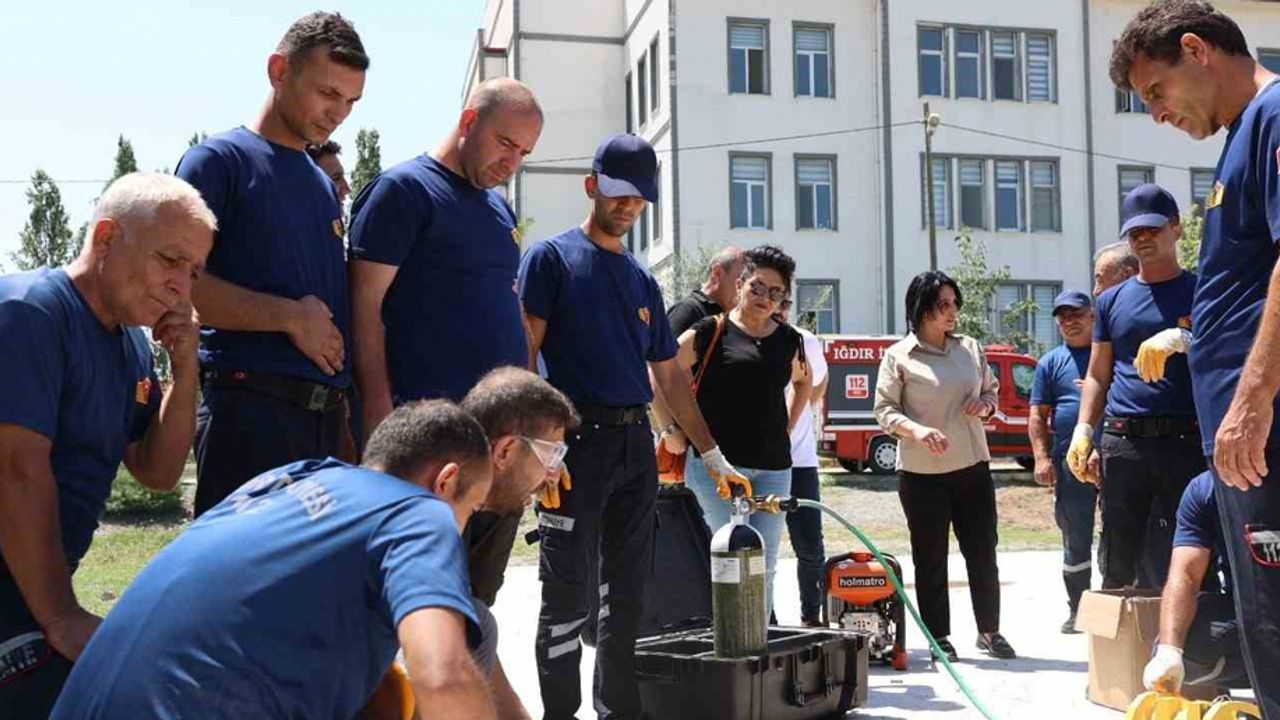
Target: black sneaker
948 649
996 646
1069 627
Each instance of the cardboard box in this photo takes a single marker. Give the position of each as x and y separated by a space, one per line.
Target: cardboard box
1123 626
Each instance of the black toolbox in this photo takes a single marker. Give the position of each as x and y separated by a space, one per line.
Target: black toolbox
806 674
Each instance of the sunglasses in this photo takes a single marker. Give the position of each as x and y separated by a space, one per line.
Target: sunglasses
550 454
759 289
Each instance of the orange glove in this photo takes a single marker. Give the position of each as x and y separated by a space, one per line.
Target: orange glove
393 699
549 495
724 474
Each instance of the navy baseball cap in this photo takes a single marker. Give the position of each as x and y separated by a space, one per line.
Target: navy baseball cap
1147 206
1073 299
626 166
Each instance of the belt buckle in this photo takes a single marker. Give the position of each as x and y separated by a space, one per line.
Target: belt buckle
319 398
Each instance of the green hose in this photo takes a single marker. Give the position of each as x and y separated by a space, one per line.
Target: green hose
902 593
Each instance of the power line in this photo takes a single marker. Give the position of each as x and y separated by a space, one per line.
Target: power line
1065 148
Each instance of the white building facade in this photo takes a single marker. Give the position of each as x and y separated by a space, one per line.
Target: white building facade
799 124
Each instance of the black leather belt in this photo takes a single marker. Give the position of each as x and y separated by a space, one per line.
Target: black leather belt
306 395
601 415
1150 426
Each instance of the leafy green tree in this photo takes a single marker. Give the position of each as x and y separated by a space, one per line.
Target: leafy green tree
196 139
125 161
368 160
1189 243
685 273
978 283
46 239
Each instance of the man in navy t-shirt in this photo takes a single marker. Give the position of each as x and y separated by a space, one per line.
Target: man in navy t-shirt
597 317
1150 445
274 303
293 595
78 394
1055 393
1192 65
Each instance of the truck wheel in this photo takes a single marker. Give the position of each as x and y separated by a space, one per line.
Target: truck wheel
882 456
853 466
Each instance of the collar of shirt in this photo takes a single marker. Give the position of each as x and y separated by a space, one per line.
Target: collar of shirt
915 343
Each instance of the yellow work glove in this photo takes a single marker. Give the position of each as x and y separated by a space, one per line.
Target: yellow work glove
724 474
393 699
1078 453
1154 352
549 495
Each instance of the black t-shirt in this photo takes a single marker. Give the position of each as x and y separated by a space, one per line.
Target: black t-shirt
741 394
683 314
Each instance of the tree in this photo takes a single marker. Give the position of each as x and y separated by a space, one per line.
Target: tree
978 285
368 160
1189 243
46 238
197 138
685 273
125 161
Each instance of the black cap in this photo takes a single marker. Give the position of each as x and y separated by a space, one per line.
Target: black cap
1147 206
1073 299
626 166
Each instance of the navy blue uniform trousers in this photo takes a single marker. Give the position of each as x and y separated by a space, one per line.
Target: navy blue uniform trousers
1074 506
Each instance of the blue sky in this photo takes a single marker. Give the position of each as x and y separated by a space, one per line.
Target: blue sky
81 72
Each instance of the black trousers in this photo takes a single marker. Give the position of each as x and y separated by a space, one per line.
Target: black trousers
1142 483
611 509
1212 651
805 528
1251 526
964 498
489 537
31 672
1074 505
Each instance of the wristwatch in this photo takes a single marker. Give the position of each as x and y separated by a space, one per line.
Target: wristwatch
668 430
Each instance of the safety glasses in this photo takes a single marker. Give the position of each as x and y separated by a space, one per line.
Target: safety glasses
550 454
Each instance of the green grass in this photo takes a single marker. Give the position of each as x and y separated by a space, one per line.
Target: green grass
117 554
130 501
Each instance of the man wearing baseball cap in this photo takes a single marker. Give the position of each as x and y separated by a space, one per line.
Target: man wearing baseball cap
597 317
1150 444
1055 394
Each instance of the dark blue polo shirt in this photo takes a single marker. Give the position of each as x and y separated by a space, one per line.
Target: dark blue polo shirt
1237 255
1127 315
87 388
451 314
1055 385
279 233
605 319
1198 525
280 602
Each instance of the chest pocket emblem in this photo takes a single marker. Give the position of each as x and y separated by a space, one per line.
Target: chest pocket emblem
644 315
142 391
1215 196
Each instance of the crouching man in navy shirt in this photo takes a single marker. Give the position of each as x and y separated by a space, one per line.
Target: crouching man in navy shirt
80 395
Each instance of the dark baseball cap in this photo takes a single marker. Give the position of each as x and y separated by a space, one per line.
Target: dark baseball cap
1073 299
1147 206
626 166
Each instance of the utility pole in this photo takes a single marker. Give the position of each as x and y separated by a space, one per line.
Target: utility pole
930 123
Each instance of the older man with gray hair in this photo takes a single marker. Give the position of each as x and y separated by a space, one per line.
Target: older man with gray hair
81 395
717 294
1112 265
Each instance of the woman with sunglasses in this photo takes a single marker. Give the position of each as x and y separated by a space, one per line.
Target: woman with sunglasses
933 393
751 361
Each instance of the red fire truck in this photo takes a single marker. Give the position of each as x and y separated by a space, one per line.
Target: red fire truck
849 431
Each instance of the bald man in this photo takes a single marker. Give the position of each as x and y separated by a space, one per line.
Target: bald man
1112 265
434 258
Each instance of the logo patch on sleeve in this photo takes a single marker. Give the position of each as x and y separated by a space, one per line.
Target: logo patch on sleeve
1264 544
142 391
1215 196
644 315
338 230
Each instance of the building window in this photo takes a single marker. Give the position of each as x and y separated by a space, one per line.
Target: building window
654 66
626 89
645 227
1201 185
933 61
815 194
1012 314
643 105
813 62
748 58
1130 178
749 191
1046 205
1040 72
1006 71
973 193
818 305
1130 102
1270 59
1008 194
968 64
655 208
940 176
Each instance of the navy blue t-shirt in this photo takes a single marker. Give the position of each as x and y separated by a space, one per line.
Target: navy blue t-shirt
280 602
451 314
1198 525
279 233
1055 385
89 389
1128 314
605 319
1237 255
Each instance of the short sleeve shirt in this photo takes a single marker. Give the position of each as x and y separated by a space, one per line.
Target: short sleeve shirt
1054 385
279 233
1237 256
804 443
605 319
451 314
1198 525
281 602
89 389
1127 315
684 313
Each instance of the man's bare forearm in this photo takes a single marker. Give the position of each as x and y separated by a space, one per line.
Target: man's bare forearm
227 306
1178 601
1038 432
372 378
674 383
162 453
31 538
